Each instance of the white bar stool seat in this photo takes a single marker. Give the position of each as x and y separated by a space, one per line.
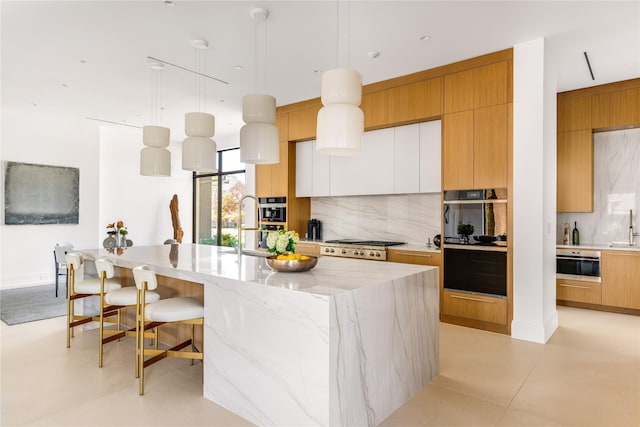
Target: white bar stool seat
185 310
174 310
128 295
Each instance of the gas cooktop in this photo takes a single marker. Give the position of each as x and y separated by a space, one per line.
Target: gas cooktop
360 242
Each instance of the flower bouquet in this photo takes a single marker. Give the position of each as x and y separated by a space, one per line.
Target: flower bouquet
282 244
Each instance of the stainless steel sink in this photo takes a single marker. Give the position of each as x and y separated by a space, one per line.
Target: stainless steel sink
620 245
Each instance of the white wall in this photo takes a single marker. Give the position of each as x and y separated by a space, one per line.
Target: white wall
26 251
534 189
111 189
142 202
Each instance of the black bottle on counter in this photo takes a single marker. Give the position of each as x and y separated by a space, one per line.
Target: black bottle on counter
576 234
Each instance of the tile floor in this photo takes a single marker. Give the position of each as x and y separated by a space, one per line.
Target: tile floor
588 374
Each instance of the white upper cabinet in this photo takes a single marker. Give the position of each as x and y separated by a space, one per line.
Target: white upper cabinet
370 172
400 160
430 156
304 169
321 174
312 171
407 160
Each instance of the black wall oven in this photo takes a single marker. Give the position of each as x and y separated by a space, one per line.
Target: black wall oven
576 264
477 271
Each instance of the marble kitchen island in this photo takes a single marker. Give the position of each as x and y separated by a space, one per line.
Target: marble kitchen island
344 344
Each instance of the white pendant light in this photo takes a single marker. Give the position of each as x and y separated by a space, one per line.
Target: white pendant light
155 158
199 151
340 126
259 140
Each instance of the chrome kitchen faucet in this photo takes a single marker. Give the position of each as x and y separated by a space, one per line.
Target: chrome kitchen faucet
240 227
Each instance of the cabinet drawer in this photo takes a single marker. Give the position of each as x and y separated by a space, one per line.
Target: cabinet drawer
415 257
578 291
476 307
306 248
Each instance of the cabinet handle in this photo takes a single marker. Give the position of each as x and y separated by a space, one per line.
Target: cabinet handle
574 286
423 255
473 299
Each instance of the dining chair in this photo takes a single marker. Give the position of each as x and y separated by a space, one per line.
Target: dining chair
80 290
179 310
112 303
59 252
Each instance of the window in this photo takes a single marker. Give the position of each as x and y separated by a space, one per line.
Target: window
216 199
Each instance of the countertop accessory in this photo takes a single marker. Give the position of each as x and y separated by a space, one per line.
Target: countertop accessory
576 234
484 239
292 265
436 240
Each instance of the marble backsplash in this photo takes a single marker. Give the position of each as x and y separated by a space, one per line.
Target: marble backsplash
616 190
409 218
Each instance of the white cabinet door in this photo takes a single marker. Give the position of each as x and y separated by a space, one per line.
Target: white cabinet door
304 169
407 159
321 174
370 172
430 156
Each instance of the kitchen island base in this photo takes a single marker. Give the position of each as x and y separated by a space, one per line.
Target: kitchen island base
277 357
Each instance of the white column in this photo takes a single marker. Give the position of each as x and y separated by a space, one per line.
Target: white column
534 193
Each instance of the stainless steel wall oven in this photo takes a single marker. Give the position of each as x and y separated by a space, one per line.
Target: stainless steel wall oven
577 264
477 271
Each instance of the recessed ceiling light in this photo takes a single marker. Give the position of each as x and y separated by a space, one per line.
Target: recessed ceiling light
82 61
33 104
424 37
169 3
64 85
239 67
317 71
373 55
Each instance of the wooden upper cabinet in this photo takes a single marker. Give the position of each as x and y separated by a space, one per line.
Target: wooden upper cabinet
415 101
303 123
574 113
272 180
490 149
575 171
620 108
476 88
374 107
457 151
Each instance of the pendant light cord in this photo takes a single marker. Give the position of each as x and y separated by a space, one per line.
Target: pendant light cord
343 39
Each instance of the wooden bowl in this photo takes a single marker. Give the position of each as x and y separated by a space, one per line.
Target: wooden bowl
293 265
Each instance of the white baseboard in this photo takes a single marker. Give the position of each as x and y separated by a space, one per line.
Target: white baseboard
535 332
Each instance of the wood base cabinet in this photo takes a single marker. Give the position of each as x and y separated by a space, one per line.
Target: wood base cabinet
621 279
476 307
578 291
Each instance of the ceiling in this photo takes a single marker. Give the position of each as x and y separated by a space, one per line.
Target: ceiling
88 59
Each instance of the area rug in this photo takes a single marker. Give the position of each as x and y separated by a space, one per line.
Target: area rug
23 305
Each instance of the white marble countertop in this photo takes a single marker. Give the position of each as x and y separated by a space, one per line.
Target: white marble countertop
600 247
197 263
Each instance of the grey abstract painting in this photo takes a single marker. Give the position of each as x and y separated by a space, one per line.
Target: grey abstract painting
40 194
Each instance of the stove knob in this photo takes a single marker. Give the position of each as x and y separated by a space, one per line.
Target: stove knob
326 250
372 254
378 254
332 250
356 252
344 251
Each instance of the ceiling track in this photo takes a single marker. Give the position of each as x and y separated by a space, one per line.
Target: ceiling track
185 69
112 122
586 57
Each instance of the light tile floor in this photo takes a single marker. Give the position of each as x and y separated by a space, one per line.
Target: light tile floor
588 374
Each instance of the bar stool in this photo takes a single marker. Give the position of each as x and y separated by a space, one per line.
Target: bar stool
82 289
184 310
112 303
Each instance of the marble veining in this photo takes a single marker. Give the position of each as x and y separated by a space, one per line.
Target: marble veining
616 190
409 218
